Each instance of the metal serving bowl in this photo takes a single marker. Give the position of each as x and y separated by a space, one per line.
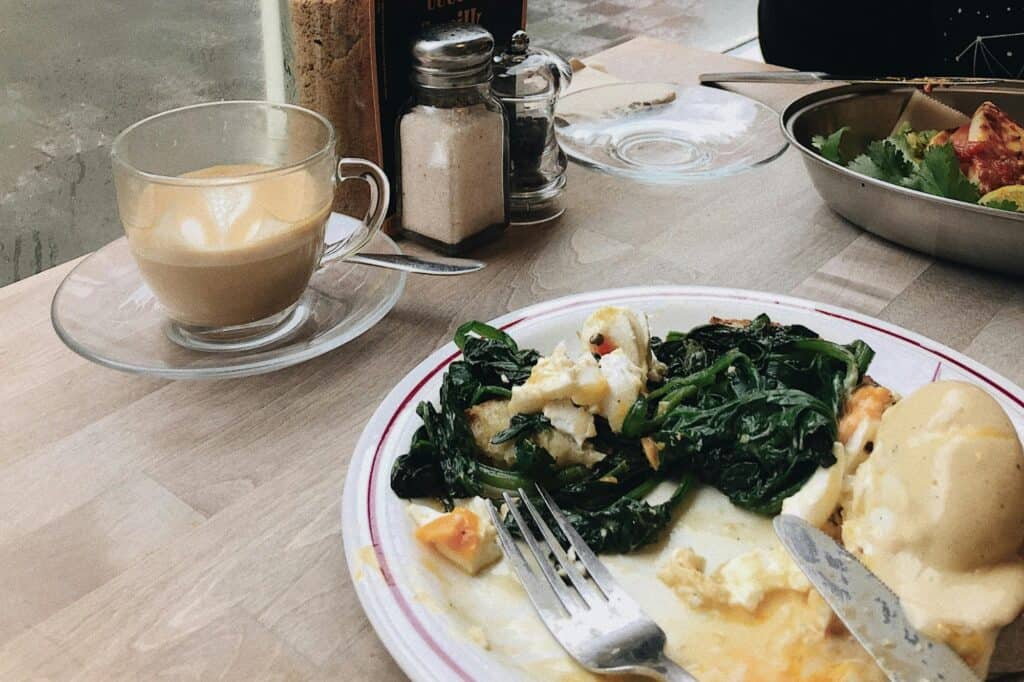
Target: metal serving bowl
986 237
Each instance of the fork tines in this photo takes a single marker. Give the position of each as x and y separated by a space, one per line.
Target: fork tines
552 560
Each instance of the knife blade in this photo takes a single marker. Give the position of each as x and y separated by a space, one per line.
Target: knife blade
868 608
812 77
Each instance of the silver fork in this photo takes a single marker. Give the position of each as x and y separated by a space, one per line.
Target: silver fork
593 618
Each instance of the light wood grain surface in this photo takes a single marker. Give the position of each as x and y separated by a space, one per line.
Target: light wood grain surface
190 530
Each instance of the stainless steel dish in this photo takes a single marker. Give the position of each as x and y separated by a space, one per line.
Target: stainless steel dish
985 237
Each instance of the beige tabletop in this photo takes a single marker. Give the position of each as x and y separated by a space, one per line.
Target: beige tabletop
191 529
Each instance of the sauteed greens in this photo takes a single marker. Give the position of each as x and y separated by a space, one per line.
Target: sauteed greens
979 162
750 408
907 158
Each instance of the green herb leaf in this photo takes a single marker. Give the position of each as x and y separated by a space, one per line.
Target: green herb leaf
750 409
940 174
442 460
912 143
884 160
481 330
829 146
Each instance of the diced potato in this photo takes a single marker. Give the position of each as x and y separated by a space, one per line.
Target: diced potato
485 421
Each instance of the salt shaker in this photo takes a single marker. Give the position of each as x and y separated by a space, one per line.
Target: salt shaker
528 81
453 143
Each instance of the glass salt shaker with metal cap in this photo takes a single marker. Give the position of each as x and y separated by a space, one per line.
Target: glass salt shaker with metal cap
452 143
529 81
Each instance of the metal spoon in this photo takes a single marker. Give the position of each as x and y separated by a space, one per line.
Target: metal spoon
415 264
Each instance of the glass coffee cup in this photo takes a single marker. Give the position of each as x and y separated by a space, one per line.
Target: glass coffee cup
225 205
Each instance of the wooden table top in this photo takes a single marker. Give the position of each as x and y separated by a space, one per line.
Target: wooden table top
191 529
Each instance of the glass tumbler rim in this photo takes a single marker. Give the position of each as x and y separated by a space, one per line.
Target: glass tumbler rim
326 149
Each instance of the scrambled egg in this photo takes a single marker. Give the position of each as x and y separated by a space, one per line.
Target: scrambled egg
743 581
465 536
606 379
559 377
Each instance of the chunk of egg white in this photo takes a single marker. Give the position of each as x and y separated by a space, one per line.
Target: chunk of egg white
486 550
819 497
625 381
571 420
749 577
552 378
621 327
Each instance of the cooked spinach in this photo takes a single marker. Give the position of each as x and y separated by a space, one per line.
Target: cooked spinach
520 426
627 524
443 461
750 409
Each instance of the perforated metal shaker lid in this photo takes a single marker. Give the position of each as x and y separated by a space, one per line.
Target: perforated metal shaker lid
452 55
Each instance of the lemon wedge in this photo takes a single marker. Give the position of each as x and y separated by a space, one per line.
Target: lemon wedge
1014 193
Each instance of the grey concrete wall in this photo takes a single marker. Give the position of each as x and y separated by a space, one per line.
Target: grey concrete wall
73 73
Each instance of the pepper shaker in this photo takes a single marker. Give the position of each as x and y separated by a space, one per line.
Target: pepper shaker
529 81
453 165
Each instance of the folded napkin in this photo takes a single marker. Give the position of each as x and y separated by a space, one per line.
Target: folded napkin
602 103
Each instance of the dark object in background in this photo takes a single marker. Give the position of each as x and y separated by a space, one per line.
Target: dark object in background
895 38
529 81
349 60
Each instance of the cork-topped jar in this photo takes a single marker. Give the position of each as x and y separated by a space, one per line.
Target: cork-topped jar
453 143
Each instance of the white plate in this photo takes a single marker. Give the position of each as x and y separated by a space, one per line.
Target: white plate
401 597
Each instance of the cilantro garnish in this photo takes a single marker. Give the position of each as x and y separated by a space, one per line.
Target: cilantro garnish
829 146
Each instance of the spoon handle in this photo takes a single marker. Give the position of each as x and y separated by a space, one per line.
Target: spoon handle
420 266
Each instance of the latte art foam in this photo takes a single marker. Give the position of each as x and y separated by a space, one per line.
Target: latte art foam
229 254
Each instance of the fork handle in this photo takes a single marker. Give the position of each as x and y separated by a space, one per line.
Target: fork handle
668 670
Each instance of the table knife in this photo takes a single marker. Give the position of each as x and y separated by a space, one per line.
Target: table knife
813 77
868 608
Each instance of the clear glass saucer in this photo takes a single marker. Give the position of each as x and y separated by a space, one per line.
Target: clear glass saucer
665 133
105 312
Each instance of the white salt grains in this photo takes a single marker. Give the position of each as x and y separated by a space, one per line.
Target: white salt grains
452 171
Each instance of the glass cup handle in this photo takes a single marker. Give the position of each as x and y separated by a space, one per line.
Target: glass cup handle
380 197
